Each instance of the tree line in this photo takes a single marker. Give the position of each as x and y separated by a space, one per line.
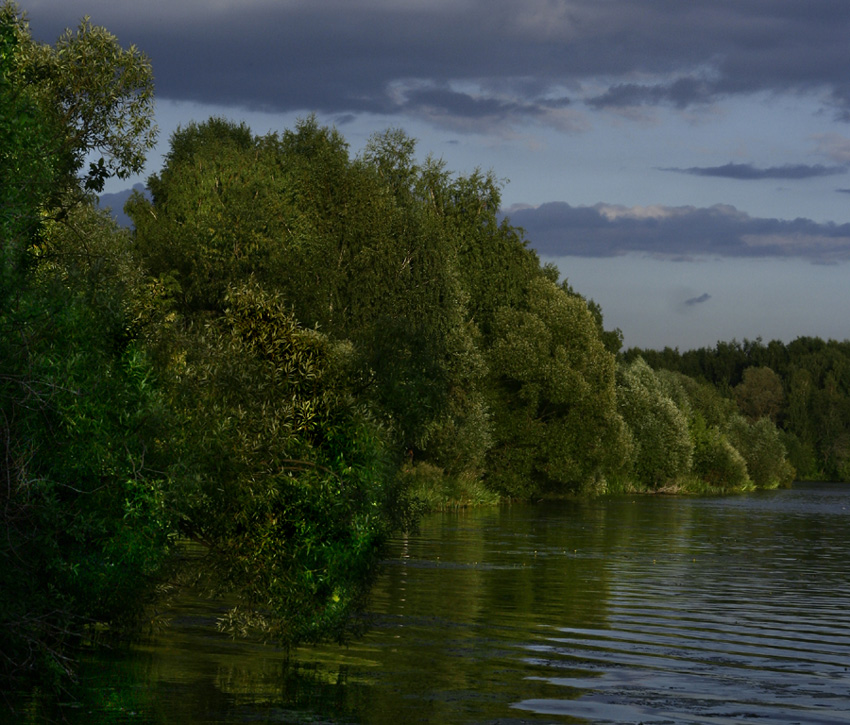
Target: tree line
802 386
253 388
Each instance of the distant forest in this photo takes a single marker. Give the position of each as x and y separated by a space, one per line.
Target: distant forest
292 354
802 386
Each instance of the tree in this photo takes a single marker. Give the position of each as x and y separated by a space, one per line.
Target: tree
803 386
760 394
283 466
556 426
83 513
663 449
760 445
280 477
355 246
95 97
83 522
612 339
219 214
28 157
716 461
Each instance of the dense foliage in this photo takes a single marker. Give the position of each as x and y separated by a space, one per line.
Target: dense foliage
132 423
463 347
803 387
82 517
278 475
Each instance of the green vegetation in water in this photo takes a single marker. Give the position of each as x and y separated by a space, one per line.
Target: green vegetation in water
437 491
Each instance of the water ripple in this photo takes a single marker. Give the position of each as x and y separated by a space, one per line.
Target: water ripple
713 647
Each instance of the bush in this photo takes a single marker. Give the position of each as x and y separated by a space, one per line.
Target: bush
760 445
716 461
662 447
279 476
437 491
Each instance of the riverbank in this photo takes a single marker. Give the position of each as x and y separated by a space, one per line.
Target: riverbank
435 491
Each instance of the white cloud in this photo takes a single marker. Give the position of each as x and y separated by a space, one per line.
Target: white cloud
613 212
834 146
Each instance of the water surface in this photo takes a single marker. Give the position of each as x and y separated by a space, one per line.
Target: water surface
625 610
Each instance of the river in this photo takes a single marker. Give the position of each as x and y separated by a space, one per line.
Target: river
634 609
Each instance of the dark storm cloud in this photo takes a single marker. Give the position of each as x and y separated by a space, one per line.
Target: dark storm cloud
478 59
748 172
558 229
680 93
698 300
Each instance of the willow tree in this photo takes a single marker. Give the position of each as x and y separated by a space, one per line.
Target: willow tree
95 99
355 246
553 399
662 447
83 523
280 478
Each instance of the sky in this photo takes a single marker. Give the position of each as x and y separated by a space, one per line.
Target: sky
685 164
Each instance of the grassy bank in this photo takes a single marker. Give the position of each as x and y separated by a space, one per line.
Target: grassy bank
437 491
